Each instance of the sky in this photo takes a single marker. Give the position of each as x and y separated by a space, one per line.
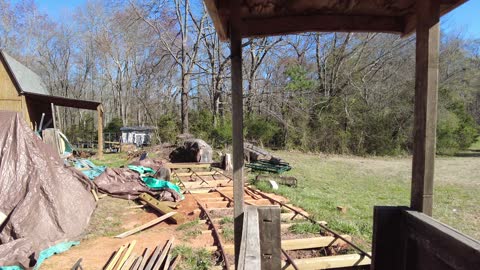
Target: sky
465 19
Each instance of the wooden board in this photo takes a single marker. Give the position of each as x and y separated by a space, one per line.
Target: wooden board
330 262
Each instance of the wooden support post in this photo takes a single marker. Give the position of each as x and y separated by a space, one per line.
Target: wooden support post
55 134
100 131
270 238
426 96
237 121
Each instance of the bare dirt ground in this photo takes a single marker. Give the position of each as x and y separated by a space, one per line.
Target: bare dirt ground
111 218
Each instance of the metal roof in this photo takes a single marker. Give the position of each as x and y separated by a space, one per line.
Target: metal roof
29 84
137 129
27 80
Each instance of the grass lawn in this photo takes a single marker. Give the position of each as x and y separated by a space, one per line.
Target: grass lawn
325 182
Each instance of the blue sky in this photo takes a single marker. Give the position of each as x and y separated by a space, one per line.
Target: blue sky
466 18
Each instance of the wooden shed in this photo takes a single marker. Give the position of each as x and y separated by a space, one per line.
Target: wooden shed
22 90
404 237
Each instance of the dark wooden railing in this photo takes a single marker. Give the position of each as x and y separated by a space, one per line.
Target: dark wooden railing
410 240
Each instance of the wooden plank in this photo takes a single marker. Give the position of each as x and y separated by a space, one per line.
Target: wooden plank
167 261
153 258
329 262
260 27
163 255
297 244
146 255
176 261
115 258
426 97
126 255
250 256
187 165
129 262
237 120
100 131
136 265
146 225
314 242
162 208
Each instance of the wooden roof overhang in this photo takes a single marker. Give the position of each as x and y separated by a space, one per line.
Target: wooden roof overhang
260 18
64 102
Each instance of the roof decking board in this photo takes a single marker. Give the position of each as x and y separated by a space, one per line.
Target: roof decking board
276 17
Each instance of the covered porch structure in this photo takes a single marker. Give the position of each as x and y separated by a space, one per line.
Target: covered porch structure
237 19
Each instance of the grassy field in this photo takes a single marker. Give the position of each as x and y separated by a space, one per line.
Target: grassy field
358 184
326 182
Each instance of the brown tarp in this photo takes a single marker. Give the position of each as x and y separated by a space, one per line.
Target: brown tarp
121 183
127 184
46 203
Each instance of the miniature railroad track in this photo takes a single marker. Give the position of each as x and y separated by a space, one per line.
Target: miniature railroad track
214 197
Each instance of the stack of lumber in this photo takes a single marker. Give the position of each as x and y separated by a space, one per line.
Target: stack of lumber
160 258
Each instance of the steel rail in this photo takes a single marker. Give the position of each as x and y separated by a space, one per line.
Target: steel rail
214 229
337 235
290 260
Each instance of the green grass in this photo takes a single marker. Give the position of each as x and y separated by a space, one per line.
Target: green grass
476 145
305 228
111 160
188 225
193 259
361 183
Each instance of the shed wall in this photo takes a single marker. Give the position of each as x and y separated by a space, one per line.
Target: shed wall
10 100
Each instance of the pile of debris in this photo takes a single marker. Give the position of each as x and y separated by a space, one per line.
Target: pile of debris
160 258
261 160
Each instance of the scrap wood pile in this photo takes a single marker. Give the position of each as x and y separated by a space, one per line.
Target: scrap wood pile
44 205
161 258
261 160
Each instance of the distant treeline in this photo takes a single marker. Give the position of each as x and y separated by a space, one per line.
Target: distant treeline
161 63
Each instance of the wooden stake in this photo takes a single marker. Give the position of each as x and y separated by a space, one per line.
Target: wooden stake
146 225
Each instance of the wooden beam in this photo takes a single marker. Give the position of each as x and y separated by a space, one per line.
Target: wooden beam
260 27
426 96
217 22
297 244
237 121
162 208
330 262
187 165
100 131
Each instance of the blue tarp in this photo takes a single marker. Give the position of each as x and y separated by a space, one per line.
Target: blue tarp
45 254
94 171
